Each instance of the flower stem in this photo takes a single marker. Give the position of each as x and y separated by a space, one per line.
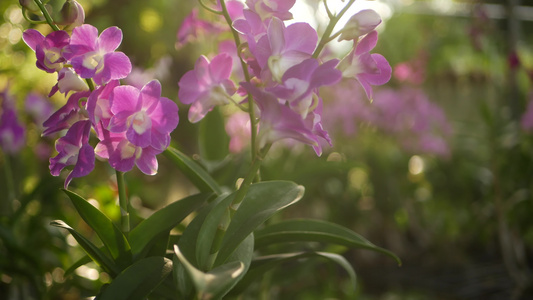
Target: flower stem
123 203
46 15
235 204
326 37
251 110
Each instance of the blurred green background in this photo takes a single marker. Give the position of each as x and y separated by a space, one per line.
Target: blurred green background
459 214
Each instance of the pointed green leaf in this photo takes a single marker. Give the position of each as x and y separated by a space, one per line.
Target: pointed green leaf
215 283
107 231
144 235
262 201
194 172
94 253
264 264
214 141
305 230
138 280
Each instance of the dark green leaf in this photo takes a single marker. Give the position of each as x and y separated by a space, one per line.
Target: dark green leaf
109 233
305 230
262 201
194 172
214 141
138 280
144 235
94 253
264 264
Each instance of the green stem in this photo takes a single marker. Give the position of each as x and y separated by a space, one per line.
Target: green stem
209 8
46 15
90 84
326 37
251 110
237 200
123 203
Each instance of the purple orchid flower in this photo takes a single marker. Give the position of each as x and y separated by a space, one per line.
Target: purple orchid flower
272 8
74 150
99 105
38 107
192 27
300 82
94 56
123 155
278 121
239 130
283 47
145 116
207 86
49 50
68 81
67 115
12 133
368 69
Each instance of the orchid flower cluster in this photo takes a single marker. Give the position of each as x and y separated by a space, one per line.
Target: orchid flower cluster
132 125
283 68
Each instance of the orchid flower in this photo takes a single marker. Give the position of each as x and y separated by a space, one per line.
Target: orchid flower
368 69
49 50
94 56
300 82
145 116
74 150
283 47
207 86
122 155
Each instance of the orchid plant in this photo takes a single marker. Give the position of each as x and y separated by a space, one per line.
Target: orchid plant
271 72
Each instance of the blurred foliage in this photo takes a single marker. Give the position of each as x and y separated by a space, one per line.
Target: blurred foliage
448 220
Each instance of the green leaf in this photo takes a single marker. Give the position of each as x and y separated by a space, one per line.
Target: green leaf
305 230
94 253
264 264
194 172
109 233
218 281
138 280
144 235
214 141
262 201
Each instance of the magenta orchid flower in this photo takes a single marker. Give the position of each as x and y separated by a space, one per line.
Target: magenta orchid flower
368 69
68 114
74 150
94 56
49 50
283 47
272 8
145 116
278 121
300 82
207 86
123 155
239 130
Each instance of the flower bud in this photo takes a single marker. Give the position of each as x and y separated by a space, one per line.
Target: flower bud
360 24
72 14
29 5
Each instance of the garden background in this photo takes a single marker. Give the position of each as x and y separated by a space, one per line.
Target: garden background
438 168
